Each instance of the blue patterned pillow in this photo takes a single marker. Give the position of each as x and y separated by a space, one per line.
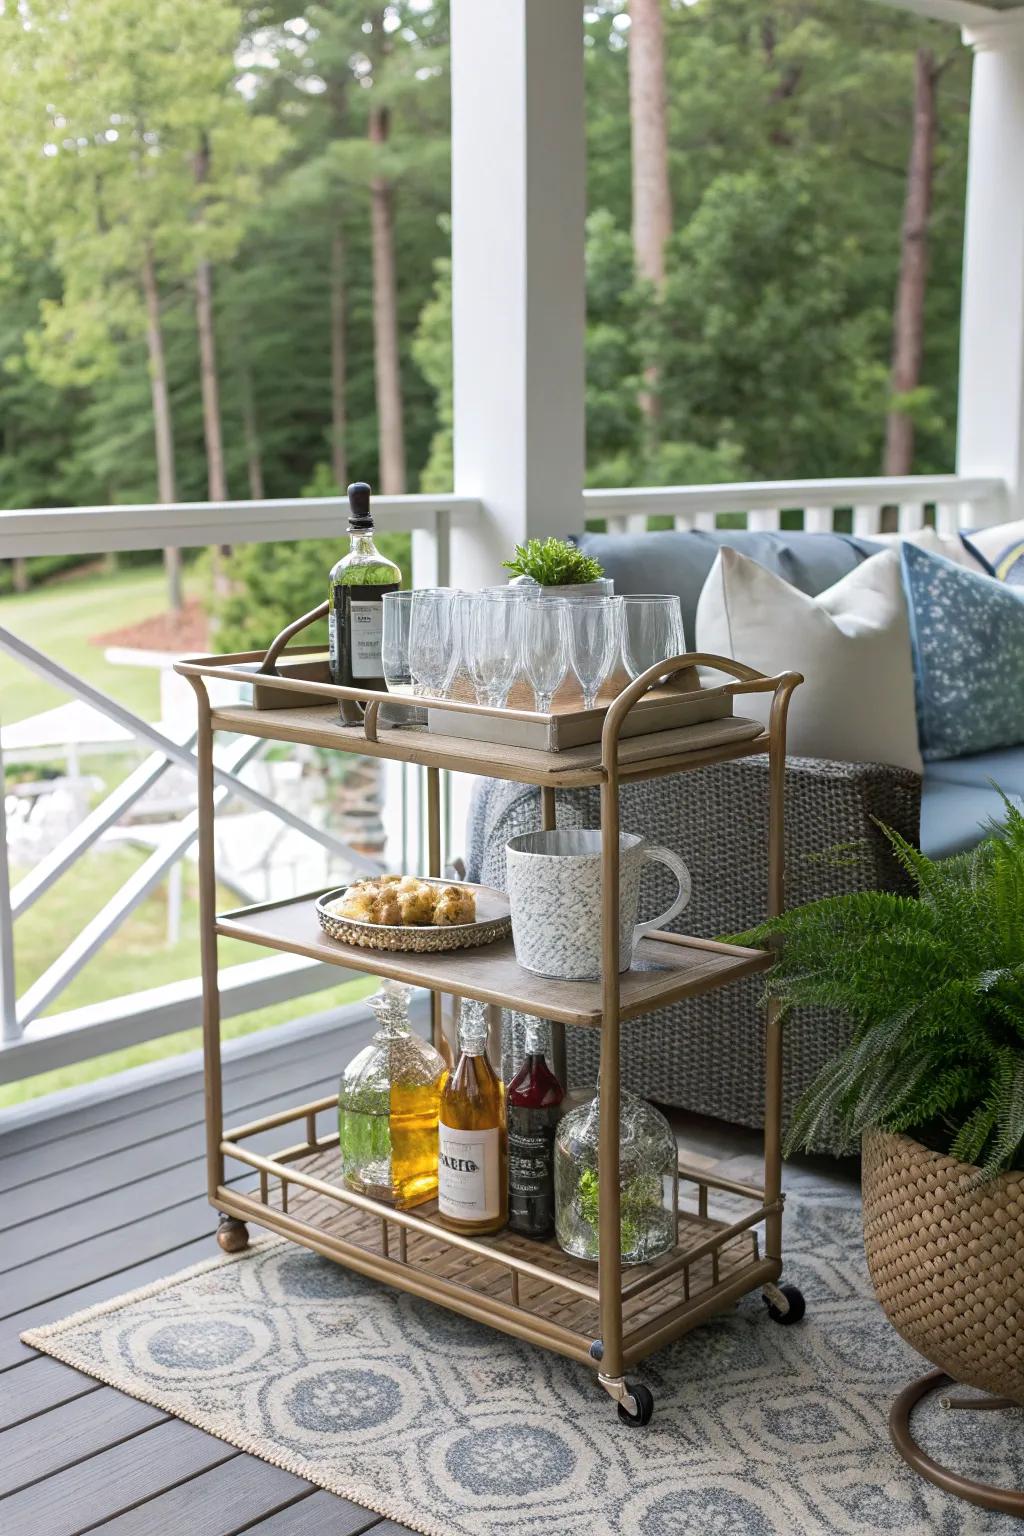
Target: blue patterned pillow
967 632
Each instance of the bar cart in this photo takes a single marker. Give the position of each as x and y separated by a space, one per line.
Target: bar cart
598 1316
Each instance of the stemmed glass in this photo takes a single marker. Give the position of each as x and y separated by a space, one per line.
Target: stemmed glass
545 623
431 644
652 628
493 644
593 642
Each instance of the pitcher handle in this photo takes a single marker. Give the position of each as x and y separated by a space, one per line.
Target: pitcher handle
657 855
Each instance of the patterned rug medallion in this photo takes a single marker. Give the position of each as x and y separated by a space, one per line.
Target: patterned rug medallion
453 1430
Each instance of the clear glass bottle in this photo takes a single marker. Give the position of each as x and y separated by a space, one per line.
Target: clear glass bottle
534 1108
648 1181
387 1108
472 1173
357 586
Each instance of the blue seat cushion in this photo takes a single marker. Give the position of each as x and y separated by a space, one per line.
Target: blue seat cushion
679 562
958 798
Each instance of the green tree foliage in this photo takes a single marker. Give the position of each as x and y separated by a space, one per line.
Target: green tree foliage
789 124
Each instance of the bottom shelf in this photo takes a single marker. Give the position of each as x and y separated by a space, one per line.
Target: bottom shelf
530 1289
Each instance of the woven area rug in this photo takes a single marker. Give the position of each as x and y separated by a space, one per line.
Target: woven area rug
456 1431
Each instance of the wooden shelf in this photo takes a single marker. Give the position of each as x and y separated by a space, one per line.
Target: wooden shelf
667 968
675 751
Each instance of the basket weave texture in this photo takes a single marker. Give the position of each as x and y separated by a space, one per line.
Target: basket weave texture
946 1255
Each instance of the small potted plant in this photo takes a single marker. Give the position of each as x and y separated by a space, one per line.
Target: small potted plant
559 567
933 1079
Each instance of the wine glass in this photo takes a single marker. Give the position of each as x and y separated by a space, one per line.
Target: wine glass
652 628
494 642
593 642
430 640
394 649
545 624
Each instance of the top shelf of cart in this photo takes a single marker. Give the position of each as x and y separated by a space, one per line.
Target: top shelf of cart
314 720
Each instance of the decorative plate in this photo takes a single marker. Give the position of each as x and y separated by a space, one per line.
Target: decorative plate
493 921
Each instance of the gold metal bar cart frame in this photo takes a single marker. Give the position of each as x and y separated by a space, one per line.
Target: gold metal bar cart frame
534 1291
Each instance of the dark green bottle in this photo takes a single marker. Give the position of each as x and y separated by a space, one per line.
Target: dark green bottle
358 584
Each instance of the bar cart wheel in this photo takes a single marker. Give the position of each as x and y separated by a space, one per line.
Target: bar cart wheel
644 1406
792 1306
232 1234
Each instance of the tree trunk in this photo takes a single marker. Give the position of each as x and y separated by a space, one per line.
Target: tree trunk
19 574
167 487
216 479
652 196
908 316
387 369
339 424
251 432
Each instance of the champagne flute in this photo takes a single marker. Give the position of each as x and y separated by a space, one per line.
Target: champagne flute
394 649
545 642
652 629
430 640
495 640
593 642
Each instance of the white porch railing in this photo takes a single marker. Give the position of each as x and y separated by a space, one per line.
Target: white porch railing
31 1043
950 501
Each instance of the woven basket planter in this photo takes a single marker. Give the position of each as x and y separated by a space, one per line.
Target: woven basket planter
946 1256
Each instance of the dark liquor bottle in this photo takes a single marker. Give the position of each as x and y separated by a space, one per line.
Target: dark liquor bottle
358 584
534 1109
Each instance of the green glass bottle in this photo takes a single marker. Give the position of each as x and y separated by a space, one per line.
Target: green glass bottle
358 584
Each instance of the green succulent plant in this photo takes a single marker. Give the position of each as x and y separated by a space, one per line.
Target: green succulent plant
553 563
933 985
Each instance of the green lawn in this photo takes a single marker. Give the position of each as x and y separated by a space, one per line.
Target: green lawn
61 620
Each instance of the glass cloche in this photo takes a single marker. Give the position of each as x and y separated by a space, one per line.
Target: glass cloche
387 1108
648 1181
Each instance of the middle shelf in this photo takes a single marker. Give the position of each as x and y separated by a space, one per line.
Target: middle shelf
666 968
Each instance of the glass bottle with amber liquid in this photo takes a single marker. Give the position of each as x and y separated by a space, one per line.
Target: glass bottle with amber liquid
472 1161
534 1109
356 614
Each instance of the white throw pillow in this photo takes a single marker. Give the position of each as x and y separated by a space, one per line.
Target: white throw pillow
951 545
851 642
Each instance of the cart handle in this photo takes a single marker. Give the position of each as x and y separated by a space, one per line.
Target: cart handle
277 645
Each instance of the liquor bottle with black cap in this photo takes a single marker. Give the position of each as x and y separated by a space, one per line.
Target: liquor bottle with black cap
358 584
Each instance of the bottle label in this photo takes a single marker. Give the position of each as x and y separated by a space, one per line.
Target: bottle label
468 1168
530 1160
366 627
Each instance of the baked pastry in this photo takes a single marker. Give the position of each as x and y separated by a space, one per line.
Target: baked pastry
407 902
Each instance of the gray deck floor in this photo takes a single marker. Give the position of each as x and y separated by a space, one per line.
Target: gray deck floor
99 1200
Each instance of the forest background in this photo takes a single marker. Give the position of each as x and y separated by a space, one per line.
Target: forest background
224 249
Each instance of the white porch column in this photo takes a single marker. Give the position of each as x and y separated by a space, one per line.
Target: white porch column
518 206
990 432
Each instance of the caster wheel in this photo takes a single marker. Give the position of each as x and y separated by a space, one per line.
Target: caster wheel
232 1235
644 1407
797 1307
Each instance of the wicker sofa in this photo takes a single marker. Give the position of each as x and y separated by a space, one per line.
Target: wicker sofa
706 1055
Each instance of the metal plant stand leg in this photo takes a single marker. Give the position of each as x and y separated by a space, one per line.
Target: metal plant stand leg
1007 1501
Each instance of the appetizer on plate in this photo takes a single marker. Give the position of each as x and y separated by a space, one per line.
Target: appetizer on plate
403 901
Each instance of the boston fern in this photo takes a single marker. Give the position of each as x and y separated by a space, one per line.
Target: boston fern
934 989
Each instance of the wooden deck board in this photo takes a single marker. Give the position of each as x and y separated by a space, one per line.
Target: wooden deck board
91 1212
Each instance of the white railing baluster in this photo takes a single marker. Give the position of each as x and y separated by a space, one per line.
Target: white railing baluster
10 1029
866 521
106 814
947 516
910 516
707 522
763 519
636 522
819 519
135 889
